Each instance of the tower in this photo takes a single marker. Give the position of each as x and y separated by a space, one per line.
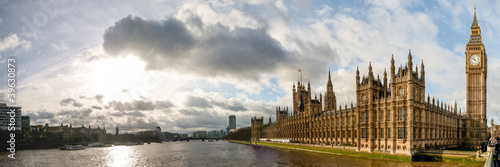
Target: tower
301 97
330 99
232 122
256 128
476 74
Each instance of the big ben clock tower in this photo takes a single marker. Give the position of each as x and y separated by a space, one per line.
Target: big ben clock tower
476 73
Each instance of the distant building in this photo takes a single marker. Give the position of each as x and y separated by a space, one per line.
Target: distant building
175 136
167 136
199 134
183 136
70 133
25 123
36 128
216 134
232 122
150 135
5 117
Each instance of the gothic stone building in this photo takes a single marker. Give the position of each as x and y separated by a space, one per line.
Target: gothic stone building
395 117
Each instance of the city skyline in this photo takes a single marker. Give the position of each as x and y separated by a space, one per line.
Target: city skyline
186 66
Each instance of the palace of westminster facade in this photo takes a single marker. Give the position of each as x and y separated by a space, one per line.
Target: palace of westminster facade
395 117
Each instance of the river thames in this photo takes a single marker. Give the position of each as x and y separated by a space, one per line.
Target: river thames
194 153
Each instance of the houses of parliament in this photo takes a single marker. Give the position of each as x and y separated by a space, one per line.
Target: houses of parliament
393 116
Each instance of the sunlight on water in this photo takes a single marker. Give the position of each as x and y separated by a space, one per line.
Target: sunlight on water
122 156
196 153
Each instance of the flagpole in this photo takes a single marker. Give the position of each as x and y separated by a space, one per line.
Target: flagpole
300 70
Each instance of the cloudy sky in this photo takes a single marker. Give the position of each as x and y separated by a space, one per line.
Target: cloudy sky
188 65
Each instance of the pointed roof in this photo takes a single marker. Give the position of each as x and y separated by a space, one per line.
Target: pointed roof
370 66
329 78
474 22
475 35
409 57
392 59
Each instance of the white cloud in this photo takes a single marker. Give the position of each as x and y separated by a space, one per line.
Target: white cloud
12 42
324 11
280 5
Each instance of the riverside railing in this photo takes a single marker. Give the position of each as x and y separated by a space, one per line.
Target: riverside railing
489 162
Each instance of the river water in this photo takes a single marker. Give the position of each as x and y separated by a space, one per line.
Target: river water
194 153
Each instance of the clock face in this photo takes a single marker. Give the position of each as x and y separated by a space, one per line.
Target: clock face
474 59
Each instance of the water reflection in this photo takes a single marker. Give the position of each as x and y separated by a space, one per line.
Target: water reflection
195 153
121 156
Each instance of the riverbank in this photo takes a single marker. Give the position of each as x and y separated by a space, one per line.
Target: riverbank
375 155
385 156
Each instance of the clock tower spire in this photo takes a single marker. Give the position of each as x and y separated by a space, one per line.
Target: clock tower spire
476 74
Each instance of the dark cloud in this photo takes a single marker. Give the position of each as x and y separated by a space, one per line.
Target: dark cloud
97 107
231 105
209 102
153 40
221 51
68 101
189 111
200 102
134 113
239 52
163 104
140 105
98 98
41 114
75 114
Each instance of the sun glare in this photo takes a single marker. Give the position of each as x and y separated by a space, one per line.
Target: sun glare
121 156
110 76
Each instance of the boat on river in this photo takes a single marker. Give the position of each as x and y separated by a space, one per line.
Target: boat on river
72 147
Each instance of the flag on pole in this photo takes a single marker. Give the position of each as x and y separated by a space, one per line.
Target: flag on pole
300 70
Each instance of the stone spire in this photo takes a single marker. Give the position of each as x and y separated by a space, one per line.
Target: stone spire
370 67
370 71
329 78
357 70
474 22
357 78
385 78
422 71
393 68
409 57
330 99
410 65
329 85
